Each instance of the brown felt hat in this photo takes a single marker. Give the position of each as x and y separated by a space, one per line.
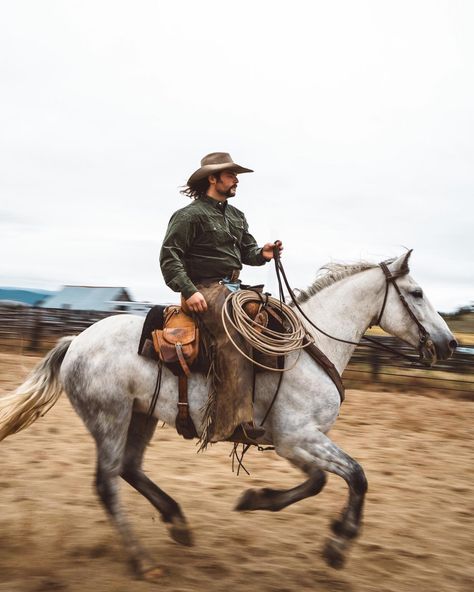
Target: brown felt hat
214 163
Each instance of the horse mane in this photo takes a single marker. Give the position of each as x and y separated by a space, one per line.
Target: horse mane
330 273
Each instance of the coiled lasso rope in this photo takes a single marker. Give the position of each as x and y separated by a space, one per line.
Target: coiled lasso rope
261 338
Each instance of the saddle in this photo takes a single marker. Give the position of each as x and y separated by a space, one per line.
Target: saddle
171 336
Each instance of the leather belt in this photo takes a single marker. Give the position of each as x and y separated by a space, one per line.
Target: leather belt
232 276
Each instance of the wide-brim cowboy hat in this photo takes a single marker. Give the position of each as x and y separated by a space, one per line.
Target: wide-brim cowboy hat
214 163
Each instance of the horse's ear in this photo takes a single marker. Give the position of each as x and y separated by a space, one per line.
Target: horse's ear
400 266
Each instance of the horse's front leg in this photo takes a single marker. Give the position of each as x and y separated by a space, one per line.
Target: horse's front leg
315 453
317 449
347 527
275 500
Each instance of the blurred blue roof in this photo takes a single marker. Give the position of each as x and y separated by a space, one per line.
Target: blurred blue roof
24 295
88 298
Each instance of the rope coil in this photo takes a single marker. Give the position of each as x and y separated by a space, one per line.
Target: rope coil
263 339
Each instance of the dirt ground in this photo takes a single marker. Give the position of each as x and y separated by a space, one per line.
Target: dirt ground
417 452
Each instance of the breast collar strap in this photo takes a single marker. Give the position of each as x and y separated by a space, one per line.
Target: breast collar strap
391 280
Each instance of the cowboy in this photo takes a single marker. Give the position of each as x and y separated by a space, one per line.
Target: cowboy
202 254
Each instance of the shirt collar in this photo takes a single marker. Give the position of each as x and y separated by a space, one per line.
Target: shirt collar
219 205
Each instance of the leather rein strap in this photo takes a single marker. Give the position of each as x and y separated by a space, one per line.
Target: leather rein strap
310 347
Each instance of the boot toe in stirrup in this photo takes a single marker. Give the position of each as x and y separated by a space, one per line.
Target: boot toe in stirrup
247 433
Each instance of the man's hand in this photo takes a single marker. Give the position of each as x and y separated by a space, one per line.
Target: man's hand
267 250
197 303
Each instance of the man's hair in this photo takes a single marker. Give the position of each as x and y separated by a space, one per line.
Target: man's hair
199 188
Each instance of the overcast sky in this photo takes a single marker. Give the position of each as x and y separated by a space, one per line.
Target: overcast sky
357 117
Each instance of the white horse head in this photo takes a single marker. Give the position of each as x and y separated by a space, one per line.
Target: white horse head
396 318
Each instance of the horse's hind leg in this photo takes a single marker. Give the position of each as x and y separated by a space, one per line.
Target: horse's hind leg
140 432
111 437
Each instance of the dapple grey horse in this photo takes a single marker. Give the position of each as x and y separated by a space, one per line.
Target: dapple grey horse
111 387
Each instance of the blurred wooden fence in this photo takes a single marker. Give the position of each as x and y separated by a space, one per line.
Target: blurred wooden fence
36 330
377 369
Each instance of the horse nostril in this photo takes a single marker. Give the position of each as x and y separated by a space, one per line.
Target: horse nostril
453 344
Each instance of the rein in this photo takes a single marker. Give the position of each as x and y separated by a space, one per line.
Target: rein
390 280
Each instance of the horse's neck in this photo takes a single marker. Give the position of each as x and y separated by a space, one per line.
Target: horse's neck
345 310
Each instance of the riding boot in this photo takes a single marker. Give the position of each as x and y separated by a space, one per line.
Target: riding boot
246 433
231 375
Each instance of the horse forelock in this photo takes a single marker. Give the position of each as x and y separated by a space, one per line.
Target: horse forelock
330 274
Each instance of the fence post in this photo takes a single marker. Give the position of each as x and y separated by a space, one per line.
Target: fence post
375 365
35 340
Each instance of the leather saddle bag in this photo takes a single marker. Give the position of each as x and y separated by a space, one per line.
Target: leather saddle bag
177 343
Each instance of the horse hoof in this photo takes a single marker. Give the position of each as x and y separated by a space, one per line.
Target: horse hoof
179 532
333 553
152 574
247 501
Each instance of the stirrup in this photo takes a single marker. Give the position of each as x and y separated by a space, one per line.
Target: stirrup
246 433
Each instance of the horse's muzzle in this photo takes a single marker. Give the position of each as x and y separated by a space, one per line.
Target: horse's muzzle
446 350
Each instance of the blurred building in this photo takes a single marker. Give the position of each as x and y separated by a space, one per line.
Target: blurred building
96 298
23 297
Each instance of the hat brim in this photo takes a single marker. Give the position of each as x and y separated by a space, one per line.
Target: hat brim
209 169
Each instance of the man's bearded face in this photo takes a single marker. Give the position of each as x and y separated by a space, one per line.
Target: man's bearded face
226 184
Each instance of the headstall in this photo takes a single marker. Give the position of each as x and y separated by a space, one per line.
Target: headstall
424 336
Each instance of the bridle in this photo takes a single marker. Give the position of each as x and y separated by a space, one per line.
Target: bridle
425 341
390 279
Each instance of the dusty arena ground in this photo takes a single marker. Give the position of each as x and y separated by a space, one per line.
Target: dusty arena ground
417 452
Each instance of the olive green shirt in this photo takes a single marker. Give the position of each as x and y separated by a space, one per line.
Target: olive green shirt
206 239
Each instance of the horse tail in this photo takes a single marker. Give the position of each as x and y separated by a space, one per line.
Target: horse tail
36 395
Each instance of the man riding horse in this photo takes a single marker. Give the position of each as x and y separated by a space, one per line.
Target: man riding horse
204 248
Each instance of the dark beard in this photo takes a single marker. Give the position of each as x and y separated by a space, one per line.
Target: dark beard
229 193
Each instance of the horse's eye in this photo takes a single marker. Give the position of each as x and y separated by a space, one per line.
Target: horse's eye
417 293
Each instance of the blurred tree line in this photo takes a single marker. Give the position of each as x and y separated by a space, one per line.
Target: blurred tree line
461 320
